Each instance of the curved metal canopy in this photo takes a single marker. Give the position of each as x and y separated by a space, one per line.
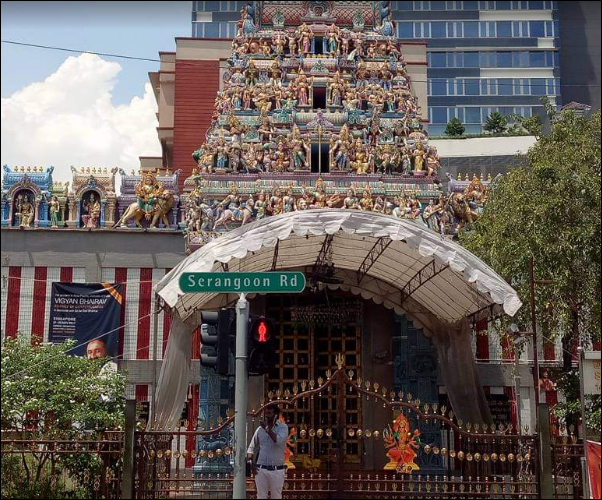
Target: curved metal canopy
395 262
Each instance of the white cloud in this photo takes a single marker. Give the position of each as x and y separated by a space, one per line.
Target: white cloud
69 119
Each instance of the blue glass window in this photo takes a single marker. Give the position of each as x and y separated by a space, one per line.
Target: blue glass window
438 30
471 5
471 87
471 59
437 5
438 86
211 6
537 59
405 5
504 29
471 29
505 86
473 115
406 30
438 59
538 29
212 30
536 5
504 60
503 6
439 115
538 86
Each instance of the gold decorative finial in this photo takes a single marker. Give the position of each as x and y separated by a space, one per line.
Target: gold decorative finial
340 360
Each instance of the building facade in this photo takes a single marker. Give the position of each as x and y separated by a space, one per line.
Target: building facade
483 56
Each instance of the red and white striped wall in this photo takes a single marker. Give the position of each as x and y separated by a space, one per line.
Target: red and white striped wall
26 295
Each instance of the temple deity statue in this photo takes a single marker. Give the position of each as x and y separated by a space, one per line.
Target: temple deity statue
302 86
360 163
288 201
276 205
414 207
148 191
223 154
279 42
54 208
91 212
251 74
301 150
336 89
340 150
281 158
366 202
266 48
351 202
333 37
432 214
25 211
261 206
419 155
305 36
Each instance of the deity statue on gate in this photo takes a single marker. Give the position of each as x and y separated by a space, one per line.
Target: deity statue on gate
301 150
401 443
351 202
25 211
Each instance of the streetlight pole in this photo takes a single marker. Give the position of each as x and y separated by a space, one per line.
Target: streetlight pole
534 330
240 400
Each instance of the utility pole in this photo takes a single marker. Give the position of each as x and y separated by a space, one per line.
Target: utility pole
240 400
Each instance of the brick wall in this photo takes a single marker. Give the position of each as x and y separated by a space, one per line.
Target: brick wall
196 86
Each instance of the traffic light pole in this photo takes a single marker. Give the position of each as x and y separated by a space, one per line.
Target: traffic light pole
241 399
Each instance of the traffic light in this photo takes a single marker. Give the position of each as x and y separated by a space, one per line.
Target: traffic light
218 331
263 343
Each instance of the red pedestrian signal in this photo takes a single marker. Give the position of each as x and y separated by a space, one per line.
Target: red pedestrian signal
262 346
263 332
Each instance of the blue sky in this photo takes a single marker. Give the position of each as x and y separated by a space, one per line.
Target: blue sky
139 29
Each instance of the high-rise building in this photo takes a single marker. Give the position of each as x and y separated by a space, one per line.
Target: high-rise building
483 56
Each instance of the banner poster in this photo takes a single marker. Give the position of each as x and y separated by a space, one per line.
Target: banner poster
593 464
87 312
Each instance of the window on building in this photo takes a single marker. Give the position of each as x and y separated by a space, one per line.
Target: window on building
438 86
212 6
538 86
487 29
471 87
505 86
406 30
437 5
405 5
472 115
503 60
439 115
438 59
536 5
438 30
471 29
503 5
488 5
537 29
537 59
471 59
212 30
454 6
504 29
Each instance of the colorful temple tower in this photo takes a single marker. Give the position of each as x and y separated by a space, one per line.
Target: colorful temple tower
316 110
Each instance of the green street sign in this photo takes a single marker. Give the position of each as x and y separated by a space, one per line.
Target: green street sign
227 282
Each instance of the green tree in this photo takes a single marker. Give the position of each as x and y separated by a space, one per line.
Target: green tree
549 209
496 123
48 393
455 128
